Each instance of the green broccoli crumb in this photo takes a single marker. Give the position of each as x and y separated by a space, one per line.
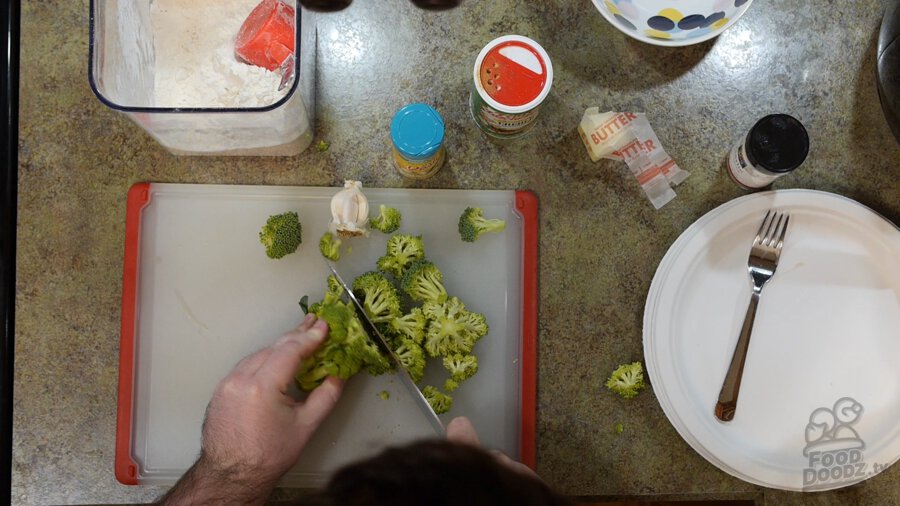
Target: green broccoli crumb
384 395
322 146
619 428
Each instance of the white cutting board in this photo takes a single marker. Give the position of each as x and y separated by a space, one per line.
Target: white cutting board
205 295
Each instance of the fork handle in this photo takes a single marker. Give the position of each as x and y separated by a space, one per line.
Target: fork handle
727 403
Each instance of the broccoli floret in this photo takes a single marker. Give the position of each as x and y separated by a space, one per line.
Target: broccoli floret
333 294
384 395
472 224
402 251
345 352
627 380
448 329
412 357
378 296
330 246
410 326
322 146
619 428
424 282
281 235
376 363
387 221
461 367
475 323
340 354
439 401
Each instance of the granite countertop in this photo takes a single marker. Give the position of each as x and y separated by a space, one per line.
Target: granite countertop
78 158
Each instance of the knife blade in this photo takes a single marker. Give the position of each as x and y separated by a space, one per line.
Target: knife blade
382 343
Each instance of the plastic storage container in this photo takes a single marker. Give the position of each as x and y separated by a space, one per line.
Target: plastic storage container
122 73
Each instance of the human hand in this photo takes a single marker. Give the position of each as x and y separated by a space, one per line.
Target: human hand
254 430
461 430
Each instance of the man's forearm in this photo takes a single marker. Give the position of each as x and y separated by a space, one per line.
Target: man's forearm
204 483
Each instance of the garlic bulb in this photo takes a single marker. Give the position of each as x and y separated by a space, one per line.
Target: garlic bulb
350 211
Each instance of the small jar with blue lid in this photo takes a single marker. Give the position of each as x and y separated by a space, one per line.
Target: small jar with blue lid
417 132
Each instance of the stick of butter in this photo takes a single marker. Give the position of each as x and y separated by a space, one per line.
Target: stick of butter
604 133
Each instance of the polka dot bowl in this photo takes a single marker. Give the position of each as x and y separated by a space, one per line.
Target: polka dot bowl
672 22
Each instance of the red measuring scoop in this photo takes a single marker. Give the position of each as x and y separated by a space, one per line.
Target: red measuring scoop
266 38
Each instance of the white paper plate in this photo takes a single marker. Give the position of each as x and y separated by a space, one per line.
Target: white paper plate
819 405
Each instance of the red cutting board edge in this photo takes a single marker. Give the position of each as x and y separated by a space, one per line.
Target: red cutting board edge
126 468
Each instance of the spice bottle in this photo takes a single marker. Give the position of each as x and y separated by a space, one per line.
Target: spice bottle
776 145
417 133
510 80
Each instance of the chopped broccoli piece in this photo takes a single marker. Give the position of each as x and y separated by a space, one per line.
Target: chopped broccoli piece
475 323
619 428
424 282
472 224
627 380
376 362
384 395
281 235
412 357
346 350
410 326
334 286
439 401
448 330
332 294
322 146
387 221
330 246
378 296
402 251
461 367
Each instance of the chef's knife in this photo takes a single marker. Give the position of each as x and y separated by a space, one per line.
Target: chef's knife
382 343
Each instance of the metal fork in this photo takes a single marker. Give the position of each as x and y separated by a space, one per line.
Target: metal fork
763 260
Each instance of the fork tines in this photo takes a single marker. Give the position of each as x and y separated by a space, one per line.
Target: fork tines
772 230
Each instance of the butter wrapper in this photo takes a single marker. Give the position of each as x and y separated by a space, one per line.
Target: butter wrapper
628 137
649 143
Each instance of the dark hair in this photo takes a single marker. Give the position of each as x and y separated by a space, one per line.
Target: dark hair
434 473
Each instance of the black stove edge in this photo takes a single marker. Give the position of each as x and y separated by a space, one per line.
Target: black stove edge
9 81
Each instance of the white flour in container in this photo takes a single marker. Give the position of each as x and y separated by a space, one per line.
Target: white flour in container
195 61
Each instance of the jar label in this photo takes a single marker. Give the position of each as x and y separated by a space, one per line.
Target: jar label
745 173
419 169
500 124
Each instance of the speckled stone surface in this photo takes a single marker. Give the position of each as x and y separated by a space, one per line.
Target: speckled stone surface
600 240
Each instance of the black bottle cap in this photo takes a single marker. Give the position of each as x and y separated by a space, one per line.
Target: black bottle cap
777 143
